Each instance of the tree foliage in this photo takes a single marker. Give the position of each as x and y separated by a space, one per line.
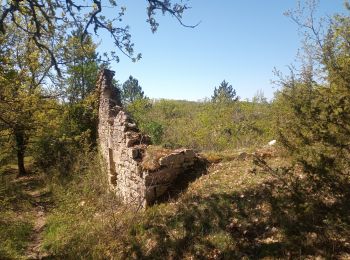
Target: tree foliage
313 116
32 119
22 97
224 93
204 125
82 66
38 35
259 97
46 19
131 91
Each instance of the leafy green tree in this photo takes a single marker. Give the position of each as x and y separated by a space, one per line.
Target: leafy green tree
23 71
68 131
313 117
34 38
131 91
19 110
204 125
82 66
224 93
81 75
140 110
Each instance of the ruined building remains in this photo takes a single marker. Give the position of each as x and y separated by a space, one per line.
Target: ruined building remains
124 149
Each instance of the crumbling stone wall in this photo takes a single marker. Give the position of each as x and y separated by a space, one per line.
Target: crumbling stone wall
123 148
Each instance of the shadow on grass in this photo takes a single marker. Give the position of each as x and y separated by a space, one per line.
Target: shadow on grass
16 212
183 181
266 221
20 194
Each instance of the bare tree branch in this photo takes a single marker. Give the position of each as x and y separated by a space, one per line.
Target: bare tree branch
46 18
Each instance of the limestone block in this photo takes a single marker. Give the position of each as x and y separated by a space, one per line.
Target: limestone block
178 158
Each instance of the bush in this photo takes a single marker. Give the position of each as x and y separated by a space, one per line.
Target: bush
155 130
69 129
313 118
204 125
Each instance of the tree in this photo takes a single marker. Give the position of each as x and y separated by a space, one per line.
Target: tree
259 97
313 115
224 93
46 18
131 90
23 71
33 39
82 66
19 104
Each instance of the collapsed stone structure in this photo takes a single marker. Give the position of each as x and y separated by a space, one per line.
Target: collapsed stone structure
123 148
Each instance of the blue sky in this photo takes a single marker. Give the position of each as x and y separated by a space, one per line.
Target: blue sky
237 41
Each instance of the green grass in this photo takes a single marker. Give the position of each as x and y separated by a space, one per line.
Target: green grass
80 225
19 198
235 210
16 219
196 225
15 235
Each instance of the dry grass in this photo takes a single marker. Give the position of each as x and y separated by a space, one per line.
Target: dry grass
266 152
226 156
235 211
19 200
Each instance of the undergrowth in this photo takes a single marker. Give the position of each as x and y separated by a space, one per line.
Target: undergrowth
15 235
240 211
87 217
236 210
16 218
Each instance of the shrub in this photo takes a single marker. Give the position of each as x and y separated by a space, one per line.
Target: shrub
204 125
155 130
313 118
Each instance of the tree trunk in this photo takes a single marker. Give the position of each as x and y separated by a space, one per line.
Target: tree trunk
20 146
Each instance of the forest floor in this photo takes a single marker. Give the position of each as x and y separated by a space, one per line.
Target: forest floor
39 195
239 210
234 210
24 212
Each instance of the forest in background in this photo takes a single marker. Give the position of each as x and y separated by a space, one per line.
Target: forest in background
48 120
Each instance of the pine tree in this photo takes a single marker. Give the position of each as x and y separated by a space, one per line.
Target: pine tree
224 93
131 91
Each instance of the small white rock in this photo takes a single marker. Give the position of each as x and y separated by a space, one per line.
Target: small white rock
271 143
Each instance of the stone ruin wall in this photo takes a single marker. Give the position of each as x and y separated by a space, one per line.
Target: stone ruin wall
123 148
